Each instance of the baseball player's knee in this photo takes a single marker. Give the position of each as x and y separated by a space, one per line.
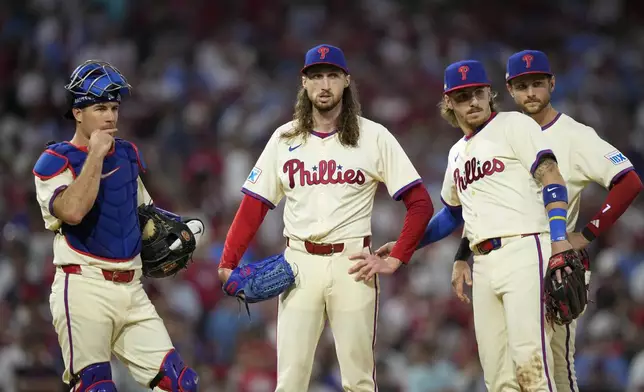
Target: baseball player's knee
96 377
530 374
175 376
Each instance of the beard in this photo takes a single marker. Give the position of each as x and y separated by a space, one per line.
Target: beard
326 106
534 107
474 123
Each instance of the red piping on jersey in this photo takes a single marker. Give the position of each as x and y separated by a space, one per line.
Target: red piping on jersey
249 217
419 212
86 148
480 127
624 190
323 135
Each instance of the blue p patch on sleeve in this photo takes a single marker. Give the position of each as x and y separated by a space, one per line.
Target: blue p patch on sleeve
50 165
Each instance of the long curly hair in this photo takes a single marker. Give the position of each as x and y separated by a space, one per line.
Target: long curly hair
348 122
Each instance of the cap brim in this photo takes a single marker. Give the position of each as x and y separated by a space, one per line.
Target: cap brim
529 73
466 86
303 70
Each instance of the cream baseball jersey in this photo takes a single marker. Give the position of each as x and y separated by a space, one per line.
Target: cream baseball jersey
329 188
63 253
583 157
490 175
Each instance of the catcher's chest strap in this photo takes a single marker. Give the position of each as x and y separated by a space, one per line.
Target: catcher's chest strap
328 249
114 276
495 243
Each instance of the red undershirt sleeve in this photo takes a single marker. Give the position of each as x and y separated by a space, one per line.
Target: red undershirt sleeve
624 190
419 212
249 217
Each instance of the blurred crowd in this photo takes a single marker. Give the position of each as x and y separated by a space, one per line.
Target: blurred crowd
213 79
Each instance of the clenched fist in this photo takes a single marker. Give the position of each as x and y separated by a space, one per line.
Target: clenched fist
101 141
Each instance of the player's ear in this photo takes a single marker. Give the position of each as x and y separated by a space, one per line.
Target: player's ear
447 102
552 83
78 114
509 87
347 81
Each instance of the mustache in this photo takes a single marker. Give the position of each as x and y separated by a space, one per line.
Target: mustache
533 101
476 110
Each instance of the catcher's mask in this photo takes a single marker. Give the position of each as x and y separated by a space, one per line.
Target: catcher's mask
92 82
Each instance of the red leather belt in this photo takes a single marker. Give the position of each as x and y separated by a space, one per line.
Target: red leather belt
328 249
114 276
491 244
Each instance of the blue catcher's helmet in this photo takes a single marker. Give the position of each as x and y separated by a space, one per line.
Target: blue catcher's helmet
95 81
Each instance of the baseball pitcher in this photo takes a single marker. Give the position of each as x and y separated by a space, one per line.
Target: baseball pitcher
583 157
91 195
327 164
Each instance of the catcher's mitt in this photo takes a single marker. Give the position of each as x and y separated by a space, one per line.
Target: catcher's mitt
168 243
255 282
565 301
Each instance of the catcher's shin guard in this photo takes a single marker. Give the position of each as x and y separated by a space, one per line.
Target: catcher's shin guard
175 376
94 378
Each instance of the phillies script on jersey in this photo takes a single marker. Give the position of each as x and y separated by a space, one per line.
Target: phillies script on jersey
474 171
326 172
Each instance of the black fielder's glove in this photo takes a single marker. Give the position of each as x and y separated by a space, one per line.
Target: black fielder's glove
565 301
168 242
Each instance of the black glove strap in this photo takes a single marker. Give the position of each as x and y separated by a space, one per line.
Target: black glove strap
464 252
588 234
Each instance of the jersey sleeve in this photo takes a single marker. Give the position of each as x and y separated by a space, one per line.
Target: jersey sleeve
47 189
263 182
599 161
395 168
527 141
449 193
142 194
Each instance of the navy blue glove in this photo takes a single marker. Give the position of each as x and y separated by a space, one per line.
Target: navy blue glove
265 279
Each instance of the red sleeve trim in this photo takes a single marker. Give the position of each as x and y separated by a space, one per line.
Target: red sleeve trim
249 217
621 196
419 211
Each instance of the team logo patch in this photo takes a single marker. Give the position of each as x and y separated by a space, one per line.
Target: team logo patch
185 235
254 174
616 157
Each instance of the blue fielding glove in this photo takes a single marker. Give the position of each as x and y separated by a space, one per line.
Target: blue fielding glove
256 282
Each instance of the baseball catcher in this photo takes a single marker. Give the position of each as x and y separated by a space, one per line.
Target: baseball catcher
565 290
107 235
168 242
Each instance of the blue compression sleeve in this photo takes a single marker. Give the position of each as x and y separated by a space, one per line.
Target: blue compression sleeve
441 225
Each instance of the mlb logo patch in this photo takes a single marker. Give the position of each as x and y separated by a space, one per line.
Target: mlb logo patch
254 175
616 157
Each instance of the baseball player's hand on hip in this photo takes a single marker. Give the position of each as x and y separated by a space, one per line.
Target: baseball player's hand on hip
578 241
385 250
369 265
461 272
